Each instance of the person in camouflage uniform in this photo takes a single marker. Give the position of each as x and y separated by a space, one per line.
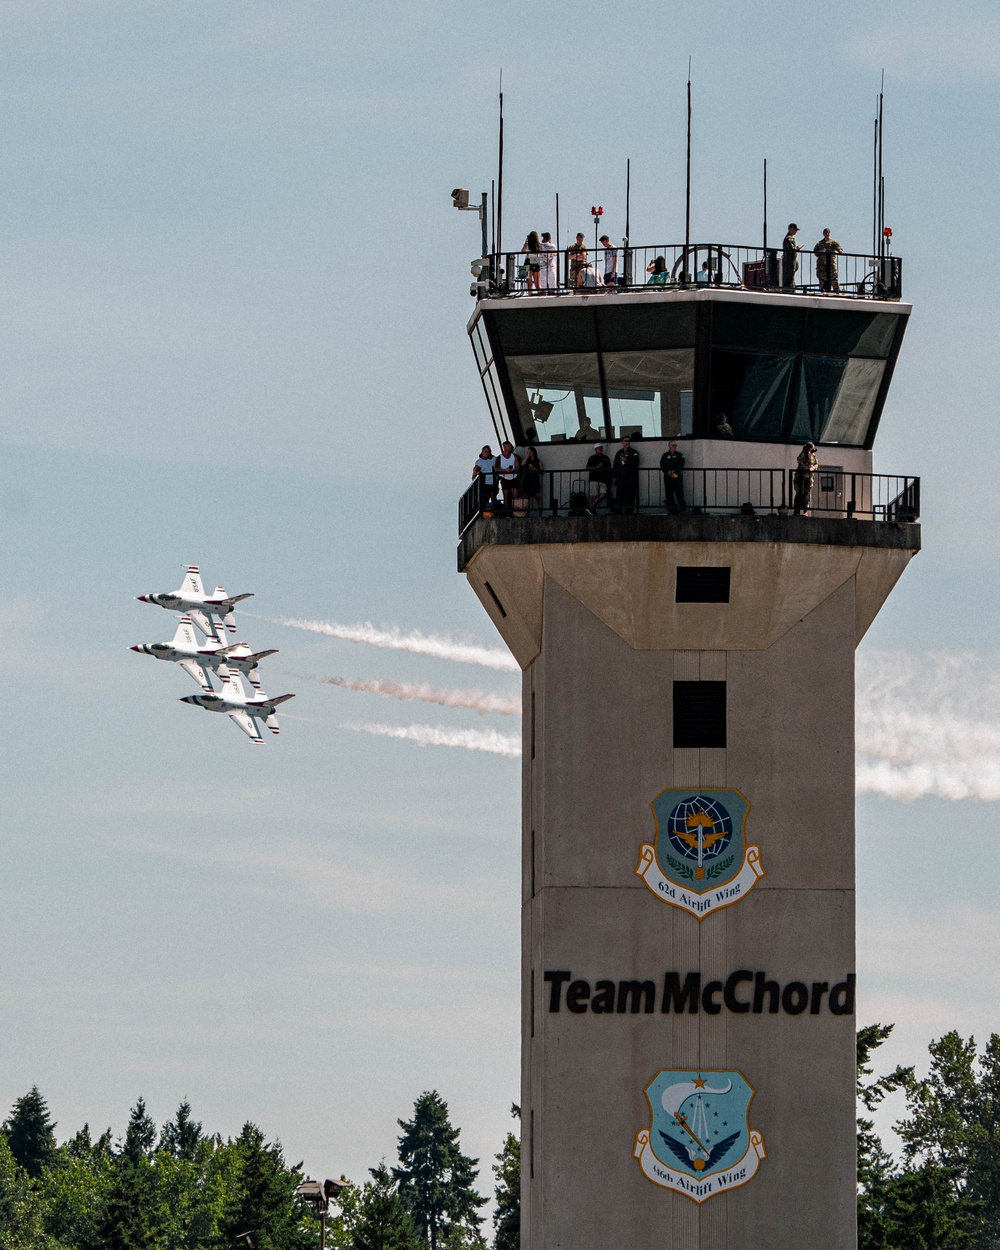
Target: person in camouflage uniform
804 474
827 251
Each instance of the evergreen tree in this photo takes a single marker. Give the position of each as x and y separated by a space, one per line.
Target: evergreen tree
20 1214
30 1133
954 1122
380 1220
129 1216
181 1136
435 1179
875 1165
262 1197
507 1169
140 1136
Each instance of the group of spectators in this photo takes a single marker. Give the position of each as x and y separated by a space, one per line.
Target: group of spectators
516 479
586 273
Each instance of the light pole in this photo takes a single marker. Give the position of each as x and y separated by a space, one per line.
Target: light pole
319 1194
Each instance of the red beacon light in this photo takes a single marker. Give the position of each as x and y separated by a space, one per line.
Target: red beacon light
887 232
597 213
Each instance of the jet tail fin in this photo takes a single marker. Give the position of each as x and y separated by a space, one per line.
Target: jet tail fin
184 638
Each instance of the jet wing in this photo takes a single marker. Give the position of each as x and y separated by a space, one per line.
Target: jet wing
203 621
198 673
191 584
247 724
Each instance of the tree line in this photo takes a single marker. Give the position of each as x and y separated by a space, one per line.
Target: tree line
943 1191
181 1188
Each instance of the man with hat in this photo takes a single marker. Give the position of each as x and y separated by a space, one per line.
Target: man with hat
790 257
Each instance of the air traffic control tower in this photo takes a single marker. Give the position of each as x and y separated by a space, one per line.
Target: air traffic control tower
688 1062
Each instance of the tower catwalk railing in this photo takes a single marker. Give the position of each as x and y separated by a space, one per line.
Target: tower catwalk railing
671 266
572 493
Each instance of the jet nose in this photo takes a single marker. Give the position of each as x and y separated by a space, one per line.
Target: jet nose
189 698
136 647
143 598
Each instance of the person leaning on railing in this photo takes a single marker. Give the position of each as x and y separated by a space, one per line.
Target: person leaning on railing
532 252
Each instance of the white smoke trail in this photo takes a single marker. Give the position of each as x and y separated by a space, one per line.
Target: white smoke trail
414 640
480 701
430 736
928 725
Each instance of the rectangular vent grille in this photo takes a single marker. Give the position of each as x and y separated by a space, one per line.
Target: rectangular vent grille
699 713
703 584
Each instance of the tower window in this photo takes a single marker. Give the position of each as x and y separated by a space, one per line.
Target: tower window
703 584
699 713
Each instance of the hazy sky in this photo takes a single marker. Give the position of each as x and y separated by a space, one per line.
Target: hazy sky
232 327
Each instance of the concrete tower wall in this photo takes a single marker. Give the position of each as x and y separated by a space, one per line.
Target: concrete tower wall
603 642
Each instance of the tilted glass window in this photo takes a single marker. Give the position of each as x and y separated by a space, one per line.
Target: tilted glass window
650 393
558 397
836 399
750 392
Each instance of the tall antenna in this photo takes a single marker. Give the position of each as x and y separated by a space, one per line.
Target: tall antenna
557 224
687 196
765 209
500 179
493 215
881 180
875 190
628 197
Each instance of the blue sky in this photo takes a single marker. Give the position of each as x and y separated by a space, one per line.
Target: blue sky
232 325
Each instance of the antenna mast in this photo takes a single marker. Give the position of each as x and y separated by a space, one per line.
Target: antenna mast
687 196
765 210
500 180
881 179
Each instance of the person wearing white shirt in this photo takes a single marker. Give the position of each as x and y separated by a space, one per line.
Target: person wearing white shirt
547 277
610 262
485 470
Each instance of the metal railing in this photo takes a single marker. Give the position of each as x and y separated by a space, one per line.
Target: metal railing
672 266
705 492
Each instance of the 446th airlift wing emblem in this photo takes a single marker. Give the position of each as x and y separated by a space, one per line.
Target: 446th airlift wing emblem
700 860
699 1142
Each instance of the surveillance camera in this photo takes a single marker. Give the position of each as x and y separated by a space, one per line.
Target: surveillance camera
478 265
460 197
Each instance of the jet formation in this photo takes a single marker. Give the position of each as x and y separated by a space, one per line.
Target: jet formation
228 663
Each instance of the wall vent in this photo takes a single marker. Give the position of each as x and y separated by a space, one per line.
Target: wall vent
703 584
699 713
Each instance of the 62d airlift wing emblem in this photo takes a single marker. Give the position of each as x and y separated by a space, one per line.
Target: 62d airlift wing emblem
700 860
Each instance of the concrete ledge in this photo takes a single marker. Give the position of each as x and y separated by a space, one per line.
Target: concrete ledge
824 531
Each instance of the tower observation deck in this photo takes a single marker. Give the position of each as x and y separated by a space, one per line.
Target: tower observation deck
688 1029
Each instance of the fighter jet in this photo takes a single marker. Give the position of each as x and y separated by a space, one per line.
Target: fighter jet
183 649
191 599
245 711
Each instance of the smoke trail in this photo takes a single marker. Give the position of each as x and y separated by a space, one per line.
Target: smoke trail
479 701
416 641
928 725
430 736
